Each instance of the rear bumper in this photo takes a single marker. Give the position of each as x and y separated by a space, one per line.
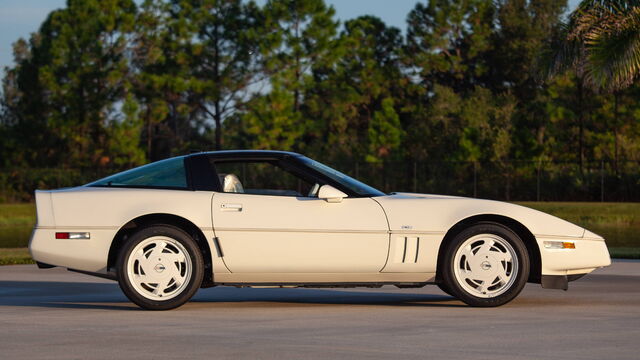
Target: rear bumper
86 255
588 255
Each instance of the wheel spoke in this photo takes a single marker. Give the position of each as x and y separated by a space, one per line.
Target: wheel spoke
173 271
502 274
157 251
161 287
505 256
141 279
485 248
470 257
145 265
485 276
174 258
466 251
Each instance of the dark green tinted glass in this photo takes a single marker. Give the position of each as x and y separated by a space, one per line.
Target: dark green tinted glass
168 173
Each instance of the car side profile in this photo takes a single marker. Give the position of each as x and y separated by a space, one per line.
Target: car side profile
272 218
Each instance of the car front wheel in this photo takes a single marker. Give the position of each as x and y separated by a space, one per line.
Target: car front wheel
485 265
160 268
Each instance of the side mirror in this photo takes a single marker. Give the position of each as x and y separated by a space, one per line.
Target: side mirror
331 194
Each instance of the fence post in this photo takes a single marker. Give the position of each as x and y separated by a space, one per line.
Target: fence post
538 181
602 180
475 179
415 176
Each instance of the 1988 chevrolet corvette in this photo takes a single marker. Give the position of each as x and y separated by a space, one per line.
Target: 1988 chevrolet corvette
270 218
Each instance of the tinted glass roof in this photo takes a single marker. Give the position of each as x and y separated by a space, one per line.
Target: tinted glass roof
248 153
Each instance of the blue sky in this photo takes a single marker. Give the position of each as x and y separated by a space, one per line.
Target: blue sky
20 18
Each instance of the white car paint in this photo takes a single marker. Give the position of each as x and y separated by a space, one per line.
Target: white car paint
287 234
283 234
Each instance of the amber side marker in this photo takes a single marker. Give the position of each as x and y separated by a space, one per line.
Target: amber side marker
559 245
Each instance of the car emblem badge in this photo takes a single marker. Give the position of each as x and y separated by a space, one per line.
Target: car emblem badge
159 268
485 265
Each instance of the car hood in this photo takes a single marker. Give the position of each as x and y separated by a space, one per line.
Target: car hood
438 213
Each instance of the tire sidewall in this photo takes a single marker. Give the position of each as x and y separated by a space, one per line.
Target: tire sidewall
508 235
193 251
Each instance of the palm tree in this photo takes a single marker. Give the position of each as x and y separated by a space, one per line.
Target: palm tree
601 42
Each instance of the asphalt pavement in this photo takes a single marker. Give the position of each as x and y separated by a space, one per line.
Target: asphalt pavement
57 314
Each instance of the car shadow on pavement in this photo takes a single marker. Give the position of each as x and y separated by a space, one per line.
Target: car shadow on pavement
313 296
58 294
107 296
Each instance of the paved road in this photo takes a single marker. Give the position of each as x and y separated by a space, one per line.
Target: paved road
62 315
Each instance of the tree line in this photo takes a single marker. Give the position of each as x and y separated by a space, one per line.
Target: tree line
109 84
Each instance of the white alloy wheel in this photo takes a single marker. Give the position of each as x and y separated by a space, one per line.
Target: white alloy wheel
485 265
159 268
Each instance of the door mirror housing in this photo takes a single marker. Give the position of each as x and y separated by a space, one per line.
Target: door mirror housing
331 194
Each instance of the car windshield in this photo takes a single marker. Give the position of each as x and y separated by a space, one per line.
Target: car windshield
345 180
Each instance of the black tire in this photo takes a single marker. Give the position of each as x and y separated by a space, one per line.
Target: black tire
182 293
505 291
444 288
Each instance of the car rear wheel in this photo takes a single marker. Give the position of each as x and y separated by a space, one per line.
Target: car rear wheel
160 268
485 265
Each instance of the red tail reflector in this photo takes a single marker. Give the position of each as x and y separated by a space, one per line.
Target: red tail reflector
62 235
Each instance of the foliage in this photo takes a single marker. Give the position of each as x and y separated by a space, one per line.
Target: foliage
68 83
106 85
601 41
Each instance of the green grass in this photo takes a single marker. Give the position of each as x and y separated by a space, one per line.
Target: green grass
15 256
592 213
625 252
17 214
16 223
619 223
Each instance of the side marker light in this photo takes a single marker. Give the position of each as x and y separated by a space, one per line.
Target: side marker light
73 235
559 245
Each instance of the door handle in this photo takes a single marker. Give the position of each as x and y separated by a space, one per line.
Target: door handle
231 207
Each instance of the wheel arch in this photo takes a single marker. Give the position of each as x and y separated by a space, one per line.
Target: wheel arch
140 222
522 231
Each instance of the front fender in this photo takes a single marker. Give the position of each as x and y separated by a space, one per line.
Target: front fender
432 213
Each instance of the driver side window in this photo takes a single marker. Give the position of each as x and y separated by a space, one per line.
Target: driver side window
262 178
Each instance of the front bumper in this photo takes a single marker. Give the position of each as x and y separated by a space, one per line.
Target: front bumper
589 254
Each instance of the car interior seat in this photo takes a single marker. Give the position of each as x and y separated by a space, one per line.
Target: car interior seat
231 184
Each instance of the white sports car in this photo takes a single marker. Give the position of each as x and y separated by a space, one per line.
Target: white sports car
270 218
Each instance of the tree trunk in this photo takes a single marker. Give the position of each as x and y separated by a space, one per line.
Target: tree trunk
217 114
616 115
149 130
218 119
581 116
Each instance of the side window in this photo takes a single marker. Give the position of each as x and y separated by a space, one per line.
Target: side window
168 173
262 178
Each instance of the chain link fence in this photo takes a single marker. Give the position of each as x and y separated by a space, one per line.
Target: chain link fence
511 180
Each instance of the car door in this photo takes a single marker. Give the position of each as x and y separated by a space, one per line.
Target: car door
268 219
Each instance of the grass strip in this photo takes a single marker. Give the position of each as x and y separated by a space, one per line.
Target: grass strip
625 252
15 256
17 214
